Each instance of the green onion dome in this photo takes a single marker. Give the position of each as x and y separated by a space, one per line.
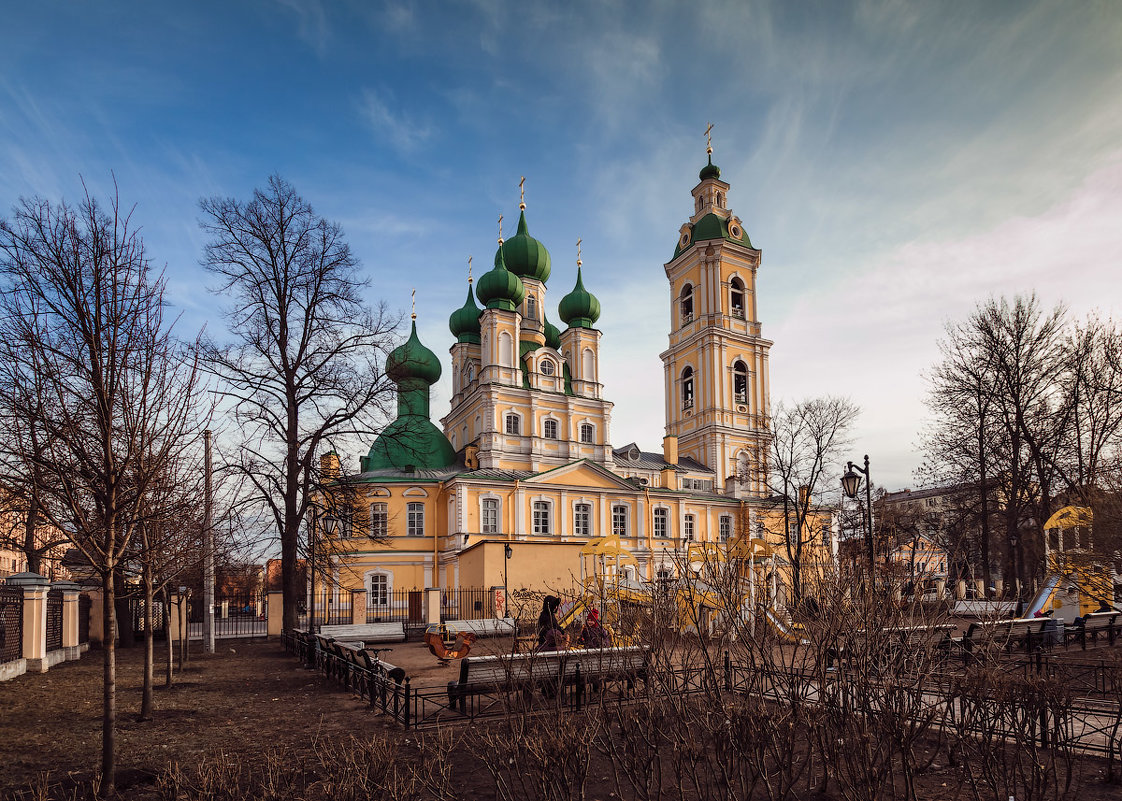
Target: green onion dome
552 335
413 362
525 256
580 308
710 170
500 288
464 322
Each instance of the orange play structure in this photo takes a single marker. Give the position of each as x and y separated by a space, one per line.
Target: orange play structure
445 649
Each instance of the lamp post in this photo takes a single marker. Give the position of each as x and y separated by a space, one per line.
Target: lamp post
851 483
507 553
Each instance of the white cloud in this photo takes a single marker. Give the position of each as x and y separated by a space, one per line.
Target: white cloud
401 131
312 22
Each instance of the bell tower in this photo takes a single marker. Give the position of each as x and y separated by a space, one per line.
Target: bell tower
716 365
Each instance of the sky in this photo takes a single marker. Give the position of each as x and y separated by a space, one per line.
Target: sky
896 162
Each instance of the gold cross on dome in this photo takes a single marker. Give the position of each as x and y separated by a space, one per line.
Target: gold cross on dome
578 251
709 139
500 229
522 193
414 315
469 269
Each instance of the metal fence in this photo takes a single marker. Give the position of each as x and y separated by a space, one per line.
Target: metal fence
137 608
237 615
85 605
11 624
467 603
54 620
399 606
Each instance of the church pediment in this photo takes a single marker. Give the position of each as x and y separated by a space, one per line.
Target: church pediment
582 474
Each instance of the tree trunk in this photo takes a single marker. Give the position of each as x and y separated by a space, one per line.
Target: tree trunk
109 690
149 647
169 674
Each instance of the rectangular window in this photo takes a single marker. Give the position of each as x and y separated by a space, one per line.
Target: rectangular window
542 522
661 523
619 521
587 433
379 590
549 428
582 516
687 528
725 528
490 516
415 520
513 424
379 520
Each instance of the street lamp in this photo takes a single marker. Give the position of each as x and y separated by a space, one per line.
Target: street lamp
851 483
507 553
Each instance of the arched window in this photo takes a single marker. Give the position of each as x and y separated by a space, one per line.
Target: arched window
588 365
490 514
739 381
531 307
549 429
686 303
513 424
470 372
687 388
506 350
379 590
587 433
736 298
720 200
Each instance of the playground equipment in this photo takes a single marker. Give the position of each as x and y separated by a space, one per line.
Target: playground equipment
446 646
1077 584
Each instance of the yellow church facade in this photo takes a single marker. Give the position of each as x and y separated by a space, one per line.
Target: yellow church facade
522 474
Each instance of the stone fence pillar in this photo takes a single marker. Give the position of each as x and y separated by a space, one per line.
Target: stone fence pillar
274 612
432 605
498 600
35 589
358 607
70 591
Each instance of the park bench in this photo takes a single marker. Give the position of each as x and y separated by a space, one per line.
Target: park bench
366 632
1109 623
549 671
1033 633
487 627
939 634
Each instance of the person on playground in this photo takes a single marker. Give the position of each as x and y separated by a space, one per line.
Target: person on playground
593 634
550 635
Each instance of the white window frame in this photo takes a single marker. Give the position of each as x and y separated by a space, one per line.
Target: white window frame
660 518
384 530
591 429
724 528
556 425
626 520
743 291
517 418
687 382
371 596
540 516
412 509
688 527
483 501
577 528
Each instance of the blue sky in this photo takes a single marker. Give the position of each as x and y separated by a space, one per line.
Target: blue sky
896 162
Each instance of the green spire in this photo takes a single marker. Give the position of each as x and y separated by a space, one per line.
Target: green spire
525 256
464 322
580 308
411 440
500 288
710 170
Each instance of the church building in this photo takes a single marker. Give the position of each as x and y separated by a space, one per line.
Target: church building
522 472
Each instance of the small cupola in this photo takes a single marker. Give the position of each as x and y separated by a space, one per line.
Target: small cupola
464 321
499 288
580 308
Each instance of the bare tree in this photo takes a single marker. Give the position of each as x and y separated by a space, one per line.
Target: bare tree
83 311
307 362
807 439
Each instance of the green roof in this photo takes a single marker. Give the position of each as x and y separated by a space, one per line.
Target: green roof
500 288
710 170
413 361
409 441
525 256
711 227
464 321
580 308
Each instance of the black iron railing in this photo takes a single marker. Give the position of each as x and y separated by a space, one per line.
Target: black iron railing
54 620
11 624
